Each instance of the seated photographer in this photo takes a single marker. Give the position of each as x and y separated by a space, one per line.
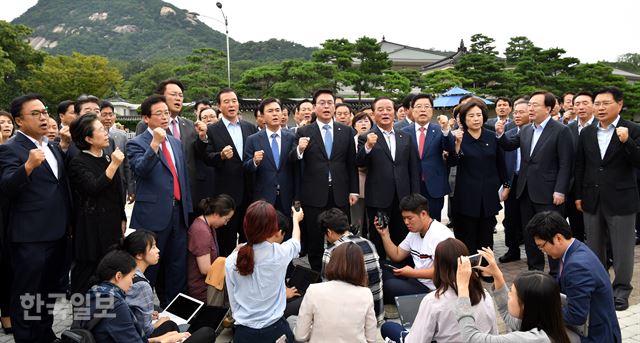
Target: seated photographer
334 224
531 308
436 318
420 243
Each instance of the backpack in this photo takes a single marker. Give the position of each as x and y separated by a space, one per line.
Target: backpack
80 333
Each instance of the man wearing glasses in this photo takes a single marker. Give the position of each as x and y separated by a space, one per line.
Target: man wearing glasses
34 179
606 189
179 127
329 178
546 154
431 140
163 196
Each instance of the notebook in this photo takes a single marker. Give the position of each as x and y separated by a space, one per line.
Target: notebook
302 277
408 306
182 308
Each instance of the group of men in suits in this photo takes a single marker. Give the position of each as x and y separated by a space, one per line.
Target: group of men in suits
591 162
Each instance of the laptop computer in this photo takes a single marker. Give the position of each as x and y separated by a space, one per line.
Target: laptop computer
408 306
302 277
182 308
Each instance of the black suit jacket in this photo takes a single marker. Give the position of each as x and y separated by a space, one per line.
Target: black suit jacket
229 174
39 204
609 182
548 168
387 176
315 166
480 172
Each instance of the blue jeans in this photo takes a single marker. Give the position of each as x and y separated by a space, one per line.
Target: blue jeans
271 333
393 331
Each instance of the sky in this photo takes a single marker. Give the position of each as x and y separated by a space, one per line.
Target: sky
589 30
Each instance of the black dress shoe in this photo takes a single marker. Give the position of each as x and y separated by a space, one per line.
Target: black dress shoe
506 258
621 304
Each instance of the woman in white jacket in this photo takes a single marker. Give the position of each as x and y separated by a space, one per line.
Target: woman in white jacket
340 310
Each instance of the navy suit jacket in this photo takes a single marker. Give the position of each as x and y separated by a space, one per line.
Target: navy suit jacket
589 293
154 183
510 159
387 177
39 204
432 167
267 177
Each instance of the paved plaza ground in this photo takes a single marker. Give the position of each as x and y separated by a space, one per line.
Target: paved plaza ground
629 320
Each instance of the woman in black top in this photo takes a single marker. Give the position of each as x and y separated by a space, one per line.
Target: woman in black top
481 171
99 219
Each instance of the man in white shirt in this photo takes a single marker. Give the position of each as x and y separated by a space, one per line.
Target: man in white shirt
420 244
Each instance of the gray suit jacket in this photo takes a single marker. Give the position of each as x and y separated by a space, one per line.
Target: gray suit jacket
120 139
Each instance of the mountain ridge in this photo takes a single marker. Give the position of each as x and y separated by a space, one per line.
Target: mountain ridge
138 29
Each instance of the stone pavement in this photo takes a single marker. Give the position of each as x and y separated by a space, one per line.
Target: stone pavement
629 320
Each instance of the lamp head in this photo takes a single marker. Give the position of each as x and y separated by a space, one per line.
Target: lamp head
219 5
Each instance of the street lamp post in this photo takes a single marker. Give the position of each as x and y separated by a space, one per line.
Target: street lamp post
226 27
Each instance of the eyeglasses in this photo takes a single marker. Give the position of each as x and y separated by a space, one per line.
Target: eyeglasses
324 103
38 114
533 104
426 107
541 246
161 114
176 95
604 103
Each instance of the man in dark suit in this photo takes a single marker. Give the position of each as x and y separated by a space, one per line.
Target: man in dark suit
545 167
34 180
431 140
179 127
329 178
221 146
392 170
583 109
108 118
512 221
583 280
504 107
606 189
408 116
269 157
163 196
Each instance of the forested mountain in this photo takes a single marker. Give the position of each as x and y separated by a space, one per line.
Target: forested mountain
137 30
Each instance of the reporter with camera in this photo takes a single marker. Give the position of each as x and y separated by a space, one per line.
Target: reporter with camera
420 244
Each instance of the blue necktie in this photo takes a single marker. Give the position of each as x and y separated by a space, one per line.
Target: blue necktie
328 139
274 149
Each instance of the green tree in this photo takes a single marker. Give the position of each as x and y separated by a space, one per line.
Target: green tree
259 81
394 85
142 84
17 61
372 63
67 77
440 81
481 44
203 74
519 47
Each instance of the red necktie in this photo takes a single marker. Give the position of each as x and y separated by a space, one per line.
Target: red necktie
172 167
421 142
176 130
